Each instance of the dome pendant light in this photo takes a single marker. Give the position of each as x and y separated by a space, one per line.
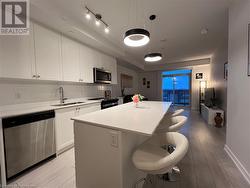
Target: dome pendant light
153 57
136 37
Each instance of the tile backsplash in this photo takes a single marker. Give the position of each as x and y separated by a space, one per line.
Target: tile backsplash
17 92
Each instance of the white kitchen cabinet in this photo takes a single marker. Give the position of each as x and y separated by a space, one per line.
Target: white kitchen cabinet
47 53
114 70
70 60
64 129
89 108
17 58
110 64
88 59
64 124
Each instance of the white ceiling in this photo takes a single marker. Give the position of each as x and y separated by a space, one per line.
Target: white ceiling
178 24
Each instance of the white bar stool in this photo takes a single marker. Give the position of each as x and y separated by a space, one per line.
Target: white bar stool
172 124
176 112
152 158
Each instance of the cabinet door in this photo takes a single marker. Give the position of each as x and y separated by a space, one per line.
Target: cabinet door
64 129
70 60
89 108
110 64
47 53
87 63
114 70
17 56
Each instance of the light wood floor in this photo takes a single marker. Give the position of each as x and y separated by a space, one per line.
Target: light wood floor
206 164
57 173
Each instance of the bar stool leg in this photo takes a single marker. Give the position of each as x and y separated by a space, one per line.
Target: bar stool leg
139 181
175 169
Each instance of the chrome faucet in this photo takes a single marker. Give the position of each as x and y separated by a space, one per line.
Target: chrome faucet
62 98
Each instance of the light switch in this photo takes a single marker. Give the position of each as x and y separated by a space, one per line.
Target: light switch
114 139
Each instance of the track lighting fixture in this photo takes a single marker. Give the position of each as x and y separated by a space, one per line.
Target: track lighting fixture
98 19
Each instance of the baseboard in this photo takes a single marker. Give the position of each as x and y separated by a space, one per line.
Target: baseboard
238 164
65 147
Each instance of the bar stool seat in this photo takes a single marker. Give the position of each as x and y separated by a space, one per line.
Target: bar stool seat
152 158
177 112
172 124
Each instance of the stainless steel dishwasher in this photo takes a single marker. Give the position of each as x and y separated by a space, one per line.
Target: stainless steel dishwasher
28 140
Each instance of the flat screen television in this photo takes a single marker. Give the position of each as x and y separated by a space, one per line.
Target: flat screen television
209 97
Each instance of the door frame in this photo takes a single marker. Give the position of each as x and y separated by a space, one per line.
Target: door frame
190 83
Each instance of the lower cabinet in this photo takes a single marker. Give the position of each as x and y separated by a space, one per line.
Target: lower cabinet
64 124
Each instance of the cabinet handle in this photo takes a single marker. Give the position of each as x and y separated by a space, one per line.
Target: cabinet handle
34 76
38 76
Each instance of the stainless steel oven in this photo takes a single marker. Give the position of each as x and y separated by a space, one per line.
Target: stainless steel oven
28 140
102 76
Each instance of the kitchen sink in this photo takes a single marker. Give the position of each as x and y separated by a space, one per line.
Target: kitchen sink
66 104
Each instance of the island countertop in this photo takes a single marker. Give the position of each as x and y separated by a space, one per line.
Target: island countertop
143 119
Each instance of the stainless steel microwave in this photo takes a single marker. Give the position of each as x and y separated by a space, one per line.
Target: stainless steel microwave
102 76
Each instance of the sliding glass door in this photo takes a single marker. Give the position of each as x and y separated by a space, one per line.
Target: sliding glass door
176 87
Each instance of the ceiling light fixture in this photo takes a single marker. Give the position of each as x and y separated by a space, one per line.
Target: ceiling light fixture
153 57
106 30
97 22
98 19
88 16
136 37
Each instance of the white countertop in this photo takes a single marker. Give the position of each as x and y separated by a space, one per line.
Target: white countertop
21 109
126 117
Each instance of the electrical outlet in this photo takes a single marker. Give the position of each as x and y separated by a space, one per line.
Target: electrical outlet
114 139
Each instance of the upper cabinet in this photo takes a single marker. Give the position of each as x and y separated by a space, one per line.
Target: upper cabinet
88 59
17 56
70 60
109 63
47 53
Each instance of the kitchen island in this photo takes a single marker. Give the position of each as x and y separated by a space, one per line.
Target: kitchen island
106 139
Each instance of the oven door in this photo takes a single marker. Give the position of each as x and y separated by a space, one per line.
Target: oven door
102 76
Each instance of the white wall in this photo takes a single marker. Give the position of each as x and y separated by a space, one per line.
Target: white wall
220 57
155 93
117 88
17 92
238 110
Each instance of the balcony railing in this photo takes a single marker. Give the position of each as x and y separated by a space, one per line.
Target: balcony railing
178 97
